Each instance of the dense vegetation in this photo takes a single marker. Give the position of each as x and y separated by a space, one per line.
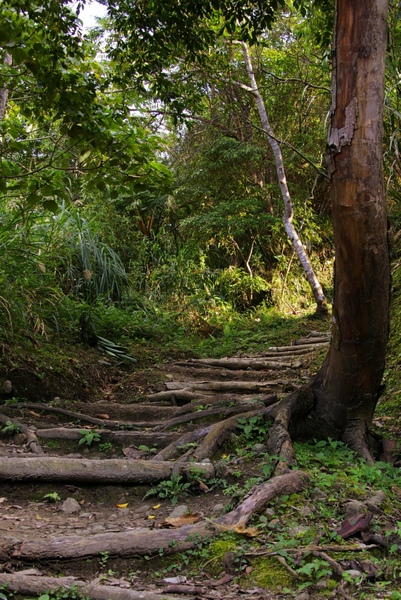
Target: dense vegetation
142 207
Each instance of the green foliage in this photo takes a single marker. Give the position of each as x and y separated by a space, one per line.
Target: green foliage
10 428
52 497
148 450
88 437
149 41
170 489
254 430
91 269
62 594
106 447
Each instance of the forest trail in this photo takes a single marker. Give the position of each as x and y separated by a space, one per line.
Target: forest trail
76 476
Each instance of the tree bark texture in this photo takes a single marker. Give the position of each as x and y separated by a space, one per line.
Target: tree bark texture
346 388
113 470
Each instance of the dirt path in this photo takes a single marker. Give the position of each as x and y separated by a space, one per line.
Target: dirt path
75 479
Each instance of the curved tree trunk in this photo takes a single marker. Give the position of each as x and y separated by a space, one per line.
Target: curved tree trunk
288 206
347 387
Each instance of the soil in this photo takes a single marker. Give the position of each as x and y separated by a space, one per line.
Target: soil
118 394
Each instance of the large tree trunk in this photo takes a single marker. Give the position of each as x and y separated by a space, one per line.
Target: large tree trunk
346 389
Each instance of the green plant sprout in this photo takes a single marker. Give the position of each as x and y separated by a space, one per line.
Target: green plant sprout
88 437
52 497
170 489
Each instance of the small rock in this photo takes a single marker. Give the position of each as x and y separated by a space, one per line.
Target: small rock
322 584
260 448
70 505
376 499
124 511
320 495
218 508
303 596
7 387
298 531
352 574
354 508
273 524
179 511
86 515
176 580
144 509
305 511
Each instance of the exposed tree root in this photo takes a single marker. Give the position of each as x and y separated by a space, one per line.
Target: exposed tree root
201 414
48 468
224 400
224 386
176 447
25 582
142 541
31 440
218 433
240 364
69 413
355 437
137 438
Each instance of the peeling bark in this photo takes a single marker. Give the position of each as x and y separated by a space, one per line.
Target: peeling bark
343 396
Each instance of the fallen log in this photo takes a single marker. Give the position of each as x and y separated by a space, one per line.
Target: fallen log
108 471
143 541
299 348
26 583
223 386
135 438
322 339
182 395
242 364
223 400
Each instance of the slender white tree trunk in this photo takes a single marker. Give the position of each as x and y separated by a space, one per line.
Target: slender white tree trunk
288 206
4 90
